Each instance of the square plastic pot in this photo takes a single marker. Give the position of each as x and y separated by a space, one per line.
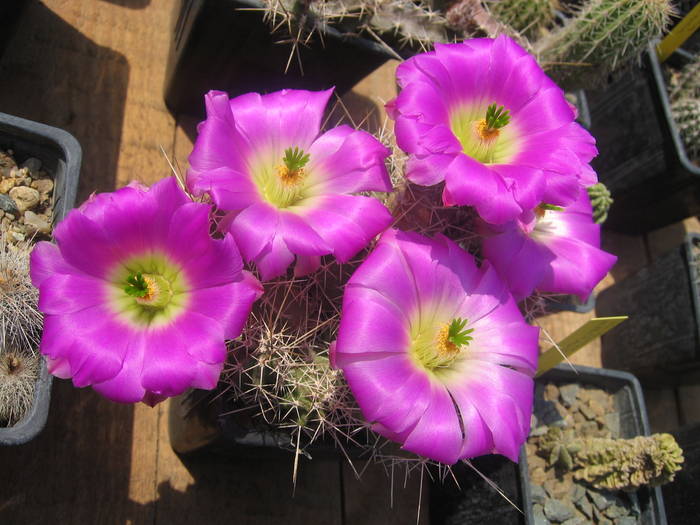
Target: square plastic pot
642 159
660 342
629 401
226 45
60 154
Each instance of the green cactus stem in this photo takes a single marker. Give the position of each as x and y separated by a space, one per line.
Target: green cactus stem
531 18
604 36
686 113
614 464
601 202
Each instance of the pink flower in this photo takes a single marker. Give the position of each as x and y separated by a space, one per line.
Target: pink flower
485 119
435 350
551 250
138 298
287 189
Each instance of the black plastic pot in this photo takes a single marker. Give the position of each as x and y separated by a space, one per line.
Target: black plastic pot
475 501
660 342
226 45
681 495
197 426
60 154
629 401
642 159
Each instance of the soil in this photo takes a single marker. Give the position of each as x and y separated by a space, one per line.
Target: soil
26 204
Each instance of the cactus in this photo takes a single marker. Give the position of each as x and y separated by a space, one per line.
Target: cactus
415 25
559 447
614 464
18 375
397 23
20 320
686 82
280 364
602 37
529 17
686 113
601 202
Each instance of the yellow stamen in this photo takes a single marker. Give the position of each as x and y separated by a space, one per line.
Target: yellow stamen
290 177
446 349
158 292
484 132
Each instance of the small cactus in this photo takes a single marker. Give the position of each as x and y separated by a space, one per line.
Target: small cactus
686 113
614 464
602 37
627 464
405 23
529 17
20 320
686 82
601 202
18 375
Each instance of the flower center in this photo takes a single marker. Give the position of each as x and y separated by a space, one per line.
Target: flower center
285 186
149 290
441 350
483 138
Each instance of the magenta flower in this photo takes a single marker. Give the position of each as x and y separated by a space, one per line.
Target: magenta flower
138 298
551 249
287 190
435 350
483 117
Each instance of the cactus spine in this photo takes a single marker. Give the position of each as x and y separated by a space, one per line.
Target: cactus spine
18 375
686 113
529 17
20 320
602 37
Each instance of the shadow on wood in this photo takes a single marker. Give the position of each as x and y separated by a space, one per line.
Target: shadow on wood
55 75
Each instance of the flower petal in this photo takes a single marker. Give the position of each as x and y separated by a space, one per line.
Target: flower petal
470 183
345 223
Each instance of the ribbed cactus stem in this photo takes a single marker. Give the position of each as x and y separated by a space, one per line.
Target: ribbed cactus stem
529 17
414 23
627 464
602 37
686 83
20 319
601 202
18 374
614 464
686 113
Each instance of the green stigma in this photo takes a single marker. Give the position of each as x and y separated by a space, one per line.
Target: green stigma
496 117
148 290
489 139
457 335
295 159
438 349
136 285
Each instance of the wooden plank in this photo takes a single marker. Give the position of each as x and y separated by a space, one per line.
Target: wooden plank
665 239
78 469
95 69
